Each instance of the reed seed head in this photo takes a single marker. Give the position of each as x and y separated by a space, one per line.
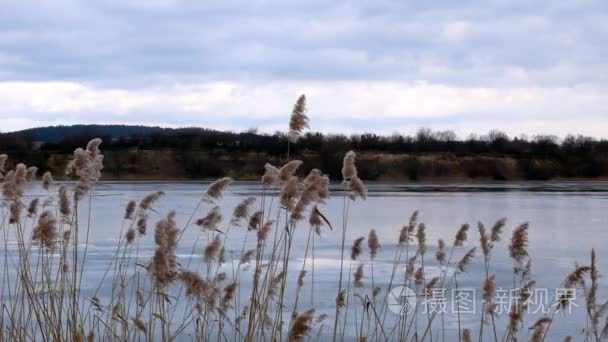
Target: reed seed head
288 170
461 235
247 256
301 326
30 174
212 249
440 253
289 192
373 243
358 278
15 209
421 237
356 249
47 180
211 220
264 231
518 249
129 210
357 188
216 189
466 335
301 278
466 260
298 120
32 208
419 276
255 220
271 175
349 170
140 325
241 211
130 235
538 329
147 202
497 229
45 231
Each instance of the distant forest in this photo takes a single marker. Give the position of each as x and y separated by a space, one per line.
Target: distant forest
138 152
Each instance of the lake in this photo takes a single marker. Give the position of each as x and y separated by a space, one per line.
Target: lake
567 220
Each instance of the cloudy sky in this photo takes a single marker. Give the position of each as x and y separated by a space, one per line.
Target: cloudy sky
524 67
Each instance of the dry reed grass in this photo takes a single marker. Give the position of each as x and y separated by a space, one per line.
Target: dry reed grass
42 298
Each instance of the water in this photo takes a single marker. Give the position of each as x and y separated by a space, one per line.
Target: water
567 220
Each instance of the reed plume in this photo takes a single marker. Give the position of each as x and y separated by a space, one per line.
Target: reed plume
518 248
212 249
340 299
164 261
373 243
64 203
275 283
349 170
518 308
15 209
140 325
263 232
31 173
466 260
497 229
271 175
86 166
298 120
315 191
419 276
289 192
421 237
149 200
287 171
301 276
217 188
195 285
461 235
241 211
358 277
406 233
357 188
356 249
466 335
247 256
228 297
301 326
538 329
32 208
440 253
255 220
315 219
488 292
211 220
130 235
45 231
129 210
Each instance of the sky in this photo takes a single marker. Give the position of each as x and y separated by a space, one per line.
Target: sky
524 67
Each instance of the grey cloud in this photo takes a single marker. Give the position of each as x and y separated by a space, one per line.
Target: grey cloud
478 42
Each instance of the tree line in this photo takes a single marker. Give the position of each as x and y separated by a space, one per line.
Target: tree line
426 154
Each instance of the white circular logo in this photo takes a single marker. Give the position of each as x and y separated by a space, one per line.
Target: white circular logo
401 300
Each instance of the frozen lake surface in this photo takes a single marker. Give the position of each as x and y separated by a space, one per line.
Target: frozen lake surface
567 220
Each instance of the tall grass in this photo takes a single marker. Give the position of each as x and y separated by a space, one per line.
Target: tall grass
164 297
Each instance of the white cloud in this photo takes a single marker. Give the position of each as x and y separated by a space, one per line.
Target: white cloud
336 106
